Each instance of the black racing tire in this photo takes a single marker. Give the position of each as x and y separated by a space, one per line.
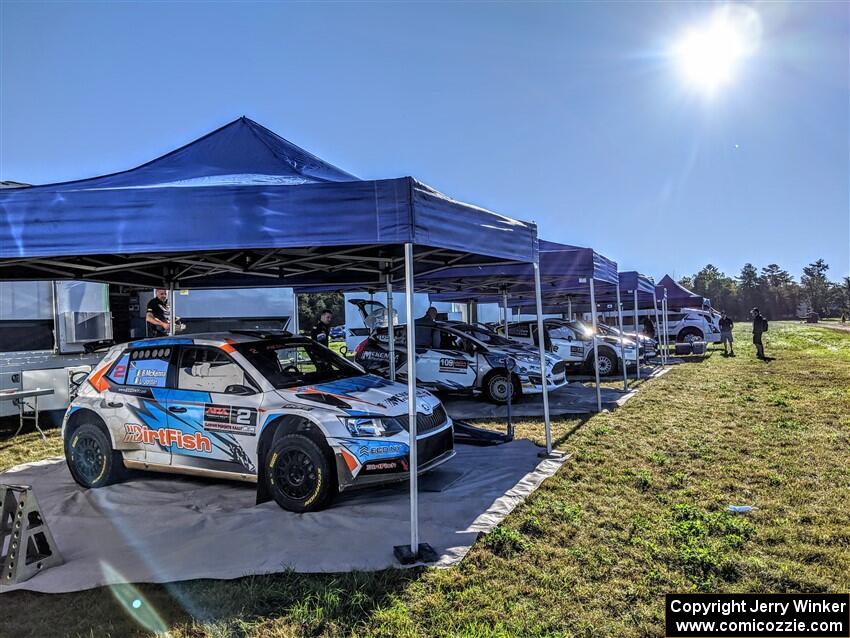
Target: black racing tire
90 457
607 363
298 474
496 387
689 335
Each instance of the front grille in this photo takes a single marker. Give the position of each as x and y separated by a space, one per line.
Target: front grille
425 422
559 368
429 448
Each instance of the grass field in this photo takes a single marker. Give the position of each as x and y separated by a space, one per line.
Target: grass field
637 511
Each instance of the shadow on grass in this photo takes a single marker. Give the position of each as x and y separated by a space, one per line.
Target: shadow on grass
315 604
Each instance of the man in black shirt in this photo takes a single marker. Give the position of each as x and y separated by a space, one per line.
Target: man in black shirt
726 334
759 324
321 332
158 314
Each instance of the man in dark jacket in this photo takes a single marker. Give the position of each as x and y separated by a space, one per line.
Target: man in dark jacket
758 329
726 334
320 333
648 327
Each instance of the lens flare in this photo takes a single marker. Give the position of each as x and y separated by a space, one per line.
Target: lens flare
709 55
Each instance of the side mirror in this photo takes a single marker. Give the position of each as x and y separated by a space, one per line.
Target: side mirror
78 377
242 390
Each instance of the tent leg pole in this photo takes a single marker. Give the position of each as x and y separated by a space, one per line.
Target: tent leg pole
416 551
666 324
295 326
391 327
622 341
637 339
171 302
570 308
657 327
595 348
505 307
541 346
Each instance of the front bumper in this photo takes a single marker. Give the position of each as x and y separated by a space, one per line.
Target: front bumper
533 384
432 450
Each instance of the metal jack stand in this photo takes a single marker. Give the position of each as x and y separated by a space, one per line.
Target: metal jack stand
24 537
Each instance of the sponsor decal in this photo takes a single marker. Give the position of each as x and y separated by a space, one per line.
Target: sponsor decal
230 418
394 400
135 433
374 355
130 389
385 467
374 450
457 366
296 406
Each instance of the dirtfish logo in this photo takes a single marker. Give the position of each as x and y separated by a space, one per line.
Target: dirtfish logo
136 433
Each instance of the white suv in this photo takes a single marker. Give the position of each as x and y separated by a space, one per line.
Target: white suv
685 325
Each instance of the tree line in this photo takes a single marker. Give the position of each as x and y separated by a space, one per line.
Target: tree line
773 290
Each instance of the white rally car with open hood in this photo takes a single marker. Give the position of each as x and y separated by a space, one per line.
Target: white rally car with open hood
281 411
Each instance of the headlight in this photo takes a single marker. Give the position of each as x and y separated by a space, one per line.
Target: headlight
371 426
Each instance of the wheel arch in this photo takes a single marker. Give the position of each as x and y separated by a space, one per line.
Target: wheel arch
86 415
281 426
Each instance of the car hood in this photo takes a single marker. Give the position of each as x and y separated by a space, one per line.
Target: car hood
524 351
355 396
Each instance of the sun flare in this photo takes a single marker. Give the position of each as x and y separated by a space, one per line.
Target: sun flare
709 55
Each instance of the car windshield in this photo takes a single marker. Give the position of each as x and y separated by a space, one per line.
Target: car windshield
585 329
484 336
288 364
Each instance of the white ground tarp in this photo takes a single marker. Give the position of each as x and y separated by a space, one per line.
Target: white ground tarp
160 528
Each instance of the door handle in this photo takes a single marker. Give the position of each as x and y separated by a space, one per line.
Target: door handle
114 404
176 409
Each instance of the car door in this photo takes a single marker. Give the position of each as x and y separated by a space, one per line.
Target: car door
450 366
213 409
565 344
144 394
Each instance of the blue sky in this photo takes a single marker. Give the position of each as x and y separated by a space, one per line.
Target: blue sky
572 115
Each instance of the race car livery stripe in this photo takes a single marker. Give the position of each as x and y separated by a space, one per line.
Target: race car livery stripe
349 459
228 348
98 382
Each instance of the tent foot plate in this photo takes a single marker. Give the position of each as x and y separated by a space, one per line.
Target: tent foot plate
424 554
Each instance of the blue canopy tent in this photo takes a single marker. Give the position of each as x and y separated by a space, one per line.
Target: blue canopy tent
677 295
242 207
670 292
563 268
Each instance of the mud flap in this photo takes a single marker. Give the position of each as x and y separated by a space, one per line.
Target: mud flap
471 435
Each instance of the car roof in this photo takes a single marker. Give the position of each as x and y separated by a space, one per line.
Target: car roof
215 338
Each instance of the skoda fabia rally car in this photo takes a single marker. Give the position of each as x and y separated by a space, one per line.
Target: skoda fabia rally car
281 411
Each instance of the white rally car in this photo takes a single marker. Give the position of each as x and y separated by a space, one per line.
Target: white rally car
462 358
572 342
281 411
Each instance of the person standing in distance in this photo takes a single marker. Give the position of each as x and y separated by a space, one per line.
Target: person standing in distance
726 326
759 328
158 314
321 332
